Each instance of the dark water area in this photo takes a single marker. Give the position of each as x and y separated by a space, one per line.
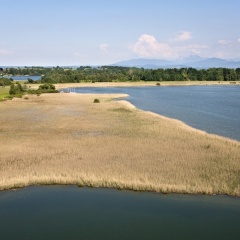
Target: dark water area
24 78
69 212
214 109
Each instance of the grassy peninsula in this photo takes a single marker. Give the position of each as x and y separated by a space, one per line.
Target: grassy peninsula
65 138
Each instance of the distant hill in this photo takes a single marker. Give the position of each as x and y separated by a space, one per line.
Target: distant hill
193 61
142 62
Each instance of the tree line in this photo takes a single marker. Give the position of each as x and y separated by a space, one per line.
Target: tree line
31 71
114 74
121 74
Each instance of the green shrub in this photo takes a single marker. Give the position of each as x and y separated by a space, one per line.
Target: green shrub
19 95
46 86
16 89
96 100
9 97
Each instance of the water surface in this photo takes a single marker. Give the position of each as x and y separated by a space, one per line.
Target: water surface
58 212
24 78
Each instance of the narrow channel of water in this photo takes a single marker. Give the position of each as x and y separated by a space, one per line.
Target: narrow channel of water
58 212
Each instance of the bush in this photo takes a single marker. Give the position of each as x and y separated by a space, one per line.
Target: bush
13 89
8 97
96 100
19 95
5 81
30 80
46 86
158 84
16 89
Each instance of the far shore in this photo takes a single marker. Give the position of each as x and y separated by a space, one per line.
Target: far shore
65 138
140 84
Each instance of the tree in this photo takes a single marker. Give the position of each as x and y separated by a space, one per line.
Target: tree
16 89
19 88
13 89
1 70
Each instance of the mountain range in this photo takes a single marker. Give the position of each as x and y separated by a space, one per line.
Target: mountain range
193 61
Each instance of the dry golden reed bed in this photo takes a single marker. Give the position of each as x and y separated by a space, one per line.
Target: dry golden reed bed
67 139
139 84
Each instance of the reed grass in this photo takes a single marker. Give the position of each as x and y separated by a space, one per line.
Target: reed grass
67 139
137 84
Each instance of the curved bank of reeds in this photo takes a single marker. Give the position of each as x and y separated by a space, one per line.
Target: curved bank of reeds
67 139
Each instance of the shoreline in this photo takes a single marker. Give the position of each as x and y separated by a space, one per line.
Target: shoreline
118 108
141 84
117 189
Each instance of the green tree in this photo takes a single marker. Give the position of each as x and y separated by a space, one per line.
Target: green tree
19 88
13 89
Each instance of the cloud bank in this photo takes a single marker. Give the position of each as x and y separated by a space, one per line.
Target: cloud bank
148 46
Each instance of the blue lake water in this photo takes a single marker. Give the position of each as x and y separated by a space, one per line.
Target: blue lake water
57 212
214 109
24 78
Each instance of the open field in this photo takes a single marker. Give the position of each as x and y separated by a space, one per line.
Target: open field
137 84
67 139
4 92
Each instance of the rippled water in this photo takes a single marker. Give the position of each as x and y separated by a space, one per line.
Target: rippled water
58 212
214 109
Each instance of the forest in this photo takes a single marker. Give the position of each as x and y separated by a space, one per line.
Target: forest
122 74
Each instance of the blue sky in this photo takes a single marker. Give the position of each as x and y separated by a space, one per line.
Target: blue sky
98 32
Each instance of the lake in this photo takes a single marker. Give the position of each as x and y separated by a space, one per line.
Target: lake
214 109
58 212
24 78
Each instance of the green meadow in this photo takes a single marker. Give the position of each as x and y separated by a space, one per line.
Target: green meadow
4 92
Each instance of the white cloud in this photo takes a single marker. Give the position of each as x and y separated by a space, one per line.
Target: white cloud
183 36
104 47
191 49
197 48
238 40
148 46
224 42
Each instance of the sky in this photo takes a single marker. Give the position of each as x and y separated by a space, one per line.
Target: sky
101 32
